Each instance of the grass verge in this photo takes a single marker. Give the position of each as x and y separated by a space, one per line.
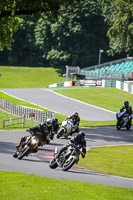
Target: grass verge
115 160
19 186
107 98
29 77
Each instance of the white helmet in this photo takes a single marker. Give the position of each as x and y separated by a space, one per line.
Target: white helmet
49 122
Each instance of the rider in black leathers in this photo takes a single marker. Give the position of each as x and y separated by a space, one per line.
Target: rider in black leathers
42 131
54 128
75 120
79 141
128 109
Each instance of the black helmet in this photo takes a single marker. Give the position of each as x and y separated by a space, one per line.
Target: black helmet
42 124
54 119
49 122
81 136
126 103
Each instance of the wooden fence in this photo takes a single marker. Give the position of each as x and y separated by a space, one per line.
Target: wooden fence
14 121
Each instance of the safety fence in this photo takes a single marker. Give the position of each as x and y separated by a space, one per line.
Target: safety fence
31 113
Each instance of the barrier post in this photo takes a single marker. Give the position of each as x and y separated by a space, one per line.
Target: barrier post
23 121
3 121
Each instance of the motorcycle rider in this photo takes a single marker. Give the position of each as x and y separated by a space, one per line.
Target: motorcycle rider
79 141
75 120
42 131
55 124
128 109
54 128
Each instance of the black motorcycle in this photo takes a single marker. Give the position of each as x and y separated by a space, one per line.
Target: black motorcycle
67 158
30 145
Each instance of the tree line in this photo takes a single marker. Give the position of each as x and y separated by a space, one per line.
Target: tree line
65 32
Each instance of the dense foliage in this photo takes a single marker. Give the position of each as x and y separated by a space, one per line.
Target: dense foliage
119 16
77 36
11 10
56 33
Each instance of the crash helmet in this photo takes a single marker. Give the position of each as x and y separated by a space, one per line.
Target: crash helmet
43 124
49 122
54 120
76 113
126 103
81 136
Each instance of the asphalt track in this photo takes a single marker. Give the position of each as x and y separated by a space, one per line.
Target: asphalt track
61 104
38 163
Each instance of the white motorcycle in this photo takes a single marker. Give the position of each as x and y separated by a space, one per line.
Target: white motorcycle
66 128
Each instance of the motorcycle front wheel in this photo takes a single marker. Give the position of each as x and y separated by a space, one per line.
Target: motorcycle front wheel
118 125
60 133
67 165
23 153
53 164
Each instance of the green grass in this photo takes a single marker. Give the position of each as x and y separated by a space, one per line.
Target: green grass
28 77
115 160
17 186
28 123
112 160
107 98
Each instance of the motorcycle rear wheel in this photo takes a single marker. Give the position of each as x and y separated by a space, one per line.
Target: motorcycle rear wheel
23 153
67 165
129 125
53 164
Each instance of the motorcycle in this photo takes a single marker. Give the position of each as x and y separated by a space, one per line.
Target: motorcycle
66 128
30 145
123 121
67 158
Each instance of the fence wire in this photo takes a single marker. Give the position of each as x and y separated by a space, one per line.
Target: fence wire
36 114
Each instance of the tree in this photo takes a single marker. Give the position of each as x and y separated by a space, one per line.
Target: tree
119 16
12 10
77 36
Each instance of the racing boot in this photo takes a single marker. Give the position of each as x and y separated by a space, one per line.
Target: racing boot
15 155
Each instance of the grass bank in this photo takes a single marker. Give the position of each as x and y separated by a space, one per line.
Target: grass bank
19 186
29 77
108 98
115 160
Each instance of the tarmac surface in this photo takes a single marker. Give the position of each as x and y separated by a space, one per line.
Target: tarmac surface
58 103
38 163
